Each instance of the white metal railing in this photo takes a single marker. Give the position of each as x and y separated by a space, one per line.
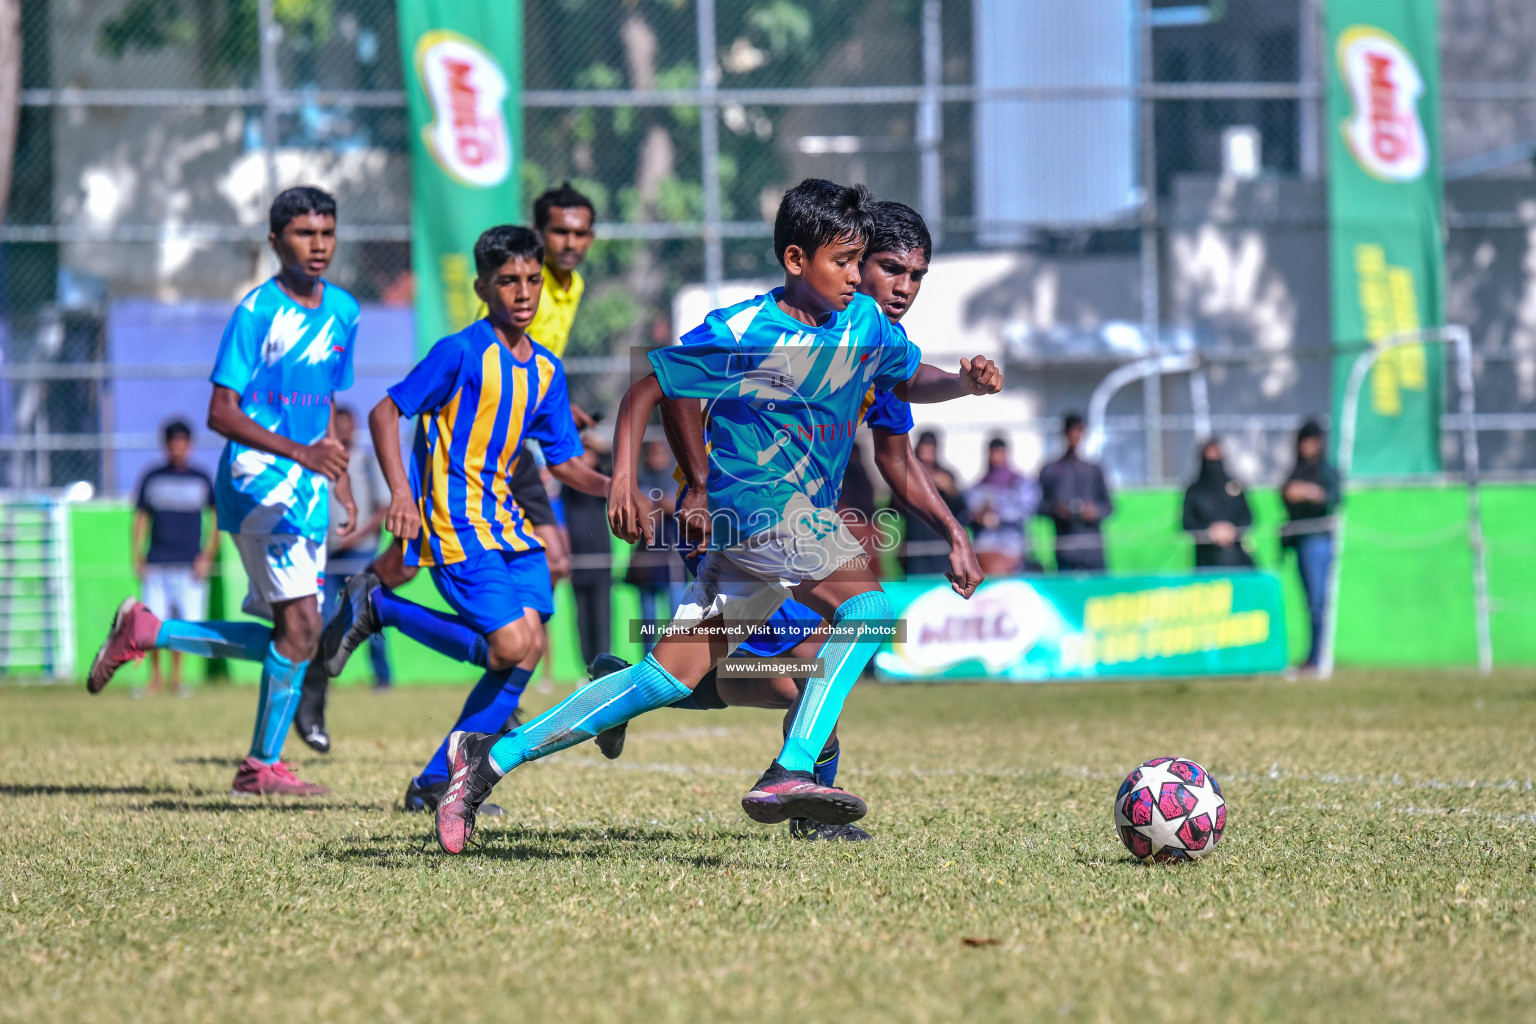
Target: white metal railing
37 600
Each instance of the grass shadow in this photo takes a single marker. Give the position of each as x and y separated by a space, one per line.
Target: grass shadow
217 805
533 844
23 789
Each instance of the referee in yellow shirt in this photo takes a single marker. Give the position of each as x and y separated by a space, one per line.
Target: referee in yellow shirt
564 217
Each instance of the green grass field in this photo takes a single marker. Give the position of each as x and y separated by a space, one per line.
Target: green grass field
1379 865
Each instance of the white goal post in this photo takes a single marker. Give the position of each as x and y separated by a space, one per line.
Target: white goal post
1459 340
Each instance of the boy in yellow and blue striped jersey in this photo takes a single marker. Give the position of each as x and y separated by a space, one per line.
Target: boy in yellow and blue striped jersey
477 395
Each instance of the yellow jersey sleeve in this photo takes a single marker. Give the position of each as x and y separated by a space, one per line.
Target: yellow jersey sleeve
551 326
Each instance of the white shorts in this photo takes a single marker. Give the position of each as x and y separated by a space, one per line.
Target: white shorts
173 592
745 584
279 567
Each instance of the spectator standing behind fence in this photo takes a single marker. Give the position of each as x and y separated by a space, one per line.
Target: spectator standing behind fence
1000 507
1311 496
1216 512
935 562
169 555
586 521
656 570
1076 498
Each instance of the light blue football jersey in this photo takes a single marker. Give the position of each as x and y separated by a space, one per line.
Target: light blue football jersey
284 360
784 402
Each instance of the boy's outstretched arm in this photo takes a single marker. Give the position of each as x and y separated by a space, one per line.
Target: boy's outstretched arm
629 514
225 417
579 476
403 518
977 376
912 486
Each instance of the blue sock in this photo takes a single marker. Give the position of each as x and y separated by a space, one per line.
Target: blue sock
601 704
445 634
486 708
846 653
825 769
245 640
281 681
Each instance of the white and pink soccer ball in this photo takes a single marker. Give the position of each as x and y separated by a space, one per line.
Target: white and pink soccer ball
1170 808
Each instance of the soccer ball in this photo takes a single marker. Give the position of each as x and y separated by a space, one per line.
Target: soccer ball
1170 808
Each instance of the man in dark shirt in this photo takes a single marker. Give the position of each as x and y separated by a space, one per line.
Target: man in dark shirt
931 560
1311 496
1076 498
173 565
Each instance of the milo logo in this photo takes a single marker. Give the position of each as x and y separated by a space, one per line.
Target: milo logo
1383 131
467 135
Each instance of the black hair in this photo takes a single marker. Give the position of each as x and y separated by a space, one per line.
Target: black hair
818 212
346 410
898 228
1310 428
296 202
504 242
177 428
565 197
1070 421
997 442
928 437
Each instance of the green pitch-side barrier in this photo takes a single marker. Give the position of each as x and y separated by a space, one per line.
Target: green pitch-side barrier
1407 591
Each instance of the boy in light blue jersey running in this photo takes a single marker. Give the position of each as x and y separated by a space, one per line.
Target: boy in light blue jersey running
892 274
287 348
783 376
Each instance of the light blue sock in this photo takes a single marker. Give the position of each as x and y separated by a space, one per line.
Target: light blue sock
281 681
245 640
846 653
486 708
601 704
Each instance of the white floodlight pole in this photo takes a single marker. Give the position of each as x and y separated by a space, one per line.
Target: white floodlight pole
1458 338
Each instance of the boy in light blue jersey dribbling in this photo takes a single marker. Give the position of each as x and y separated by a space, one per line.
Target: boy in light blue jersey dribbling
287 348
784 376
891 273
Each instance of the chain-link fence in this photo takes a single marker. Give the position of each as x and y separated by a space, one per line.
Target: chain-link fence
1106 179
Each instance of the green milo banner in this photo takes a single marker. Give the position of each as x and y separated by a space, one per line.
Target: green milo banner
463 61
1065 627
1388 266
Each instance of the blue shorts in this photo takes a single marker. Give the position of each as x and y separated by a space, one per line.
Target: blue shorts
490 589
780 633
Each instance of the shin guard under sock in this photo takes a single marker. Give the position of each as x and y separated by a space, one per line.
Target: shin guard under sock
601 704
281 683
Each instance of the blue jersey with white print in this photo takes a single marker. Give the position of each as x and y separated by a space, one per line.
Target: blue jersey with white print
784 401
284 360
